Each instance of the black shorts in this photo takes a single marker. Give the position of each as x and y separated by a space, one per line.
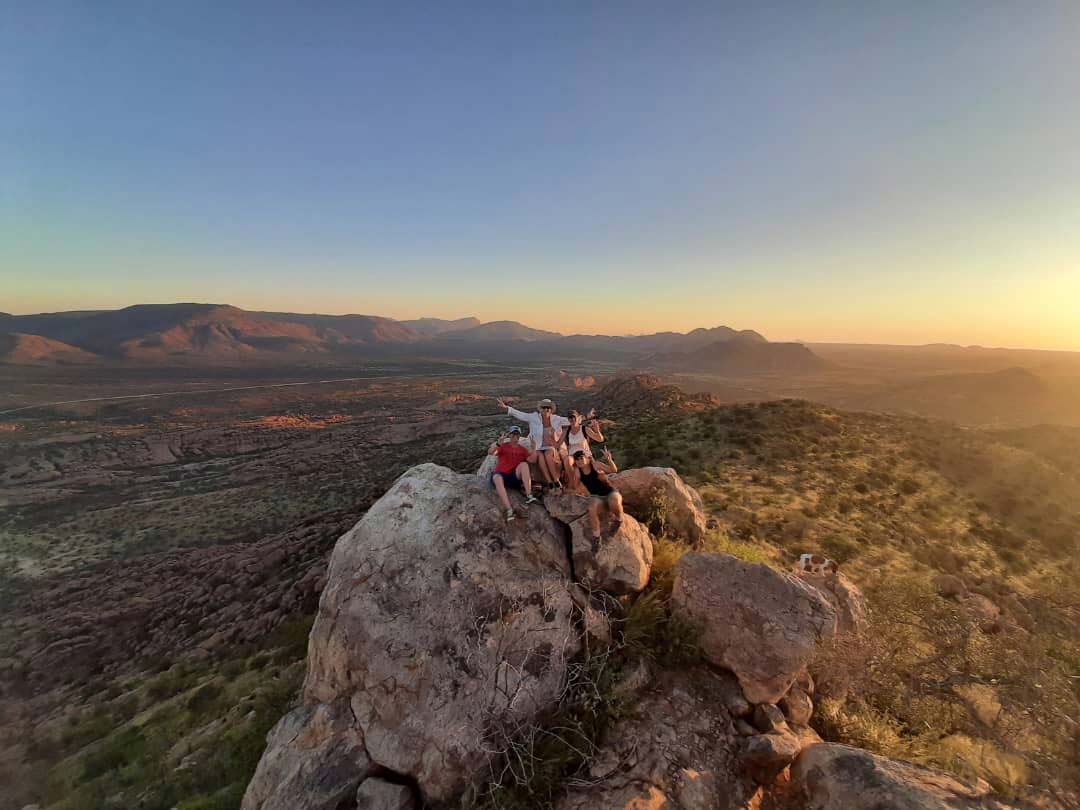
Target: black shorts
510 481
599 489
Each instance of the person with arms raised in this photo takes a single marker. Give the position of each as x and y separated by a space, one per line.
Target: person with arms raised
545 428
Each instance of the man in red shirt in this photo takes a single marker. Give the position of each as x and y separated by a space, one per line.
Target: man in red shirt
512 468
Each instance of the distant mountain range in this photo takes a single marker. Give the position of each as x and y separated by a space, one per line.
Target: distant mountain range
216 333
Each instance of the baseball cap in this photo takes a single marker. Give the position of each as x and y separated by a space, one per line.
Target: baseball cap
514 429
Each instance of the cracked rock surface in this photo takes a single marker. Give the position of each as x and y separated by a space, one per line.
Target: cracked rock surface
441 627
679 750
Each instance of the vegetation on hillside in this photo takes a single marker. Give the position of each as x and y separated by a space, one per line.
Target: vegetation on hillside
187 737
984 684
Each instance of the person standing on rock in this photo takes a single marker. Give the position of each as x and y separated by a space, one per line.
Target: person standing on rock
511 468
545 428
593 475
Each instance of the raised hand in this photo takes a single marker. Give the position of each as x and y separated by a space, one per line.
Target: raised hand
607 456
501 402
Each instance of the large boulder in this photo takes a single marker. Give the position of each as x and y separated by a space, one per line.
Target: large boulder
619 562
838 777
679 750
443 627
314 760
487 467
647 489
760 623
847 600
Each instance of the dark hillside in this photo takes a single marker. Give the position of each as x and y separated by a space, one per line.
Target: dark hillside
740 357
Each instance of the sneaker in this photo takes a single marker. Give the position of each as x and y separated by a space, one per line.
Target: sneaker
510 514
531 499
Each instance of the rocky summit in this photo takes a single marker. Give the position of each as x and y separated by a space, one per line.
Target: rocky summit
456 658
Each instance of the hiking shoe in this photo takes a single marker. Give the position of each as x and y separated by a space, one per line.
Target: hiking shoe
531 499
510 514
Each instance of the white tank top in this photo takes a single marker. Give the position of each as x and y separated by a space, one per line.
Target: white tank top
577 441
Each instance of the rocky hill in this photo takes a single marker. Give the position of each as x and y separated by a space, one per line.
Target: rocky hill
25 350
740 357
644 394
458 660
151 678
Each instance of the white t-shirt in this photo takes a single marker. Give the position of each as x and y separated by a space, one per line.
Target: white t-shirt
536 426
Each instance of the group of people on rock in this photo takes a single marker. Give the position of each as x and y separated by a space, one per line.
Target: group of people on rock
559 447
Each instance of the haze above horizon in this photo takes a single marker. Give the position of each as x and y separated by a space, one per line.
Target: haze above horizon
891 175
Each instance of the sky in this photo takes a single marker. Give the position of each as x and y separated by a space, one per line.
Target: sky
858 172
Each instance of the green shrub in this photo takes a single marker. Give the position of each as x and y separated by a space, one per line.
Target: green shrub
650 631
841 549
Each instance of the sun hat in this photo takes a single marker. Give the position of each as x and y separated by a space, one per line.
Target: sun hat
545 403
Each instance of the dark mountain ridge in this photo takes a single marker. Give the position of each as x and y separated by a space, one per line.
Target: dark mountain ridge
210 333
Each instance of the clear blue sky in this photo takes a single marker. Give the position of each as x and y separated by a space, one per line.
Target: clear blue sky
904 173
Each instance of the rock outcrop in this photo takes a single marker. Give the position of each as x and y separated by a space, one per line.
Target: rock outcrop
645 489
314 760
761 624
837 777
444 631
440 626
619 561
846 599
679 750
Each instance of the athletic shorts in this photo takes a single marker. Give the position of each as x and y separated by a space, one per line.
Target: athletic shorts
510 481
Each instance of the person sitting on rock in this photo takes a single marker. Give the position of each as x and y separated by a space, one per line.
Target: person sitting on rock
575 436
593 475
545 427
511 468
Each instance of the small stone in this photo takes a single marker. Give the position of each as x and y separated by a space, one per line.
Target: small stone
769 718
949 586
378 794
764 756
695 790
797 706
744 728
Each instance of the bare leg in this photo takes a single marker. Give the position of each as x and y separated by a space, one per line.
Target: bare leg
573 477
554 465
595 506
526 477
500 488
542 463
614 505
